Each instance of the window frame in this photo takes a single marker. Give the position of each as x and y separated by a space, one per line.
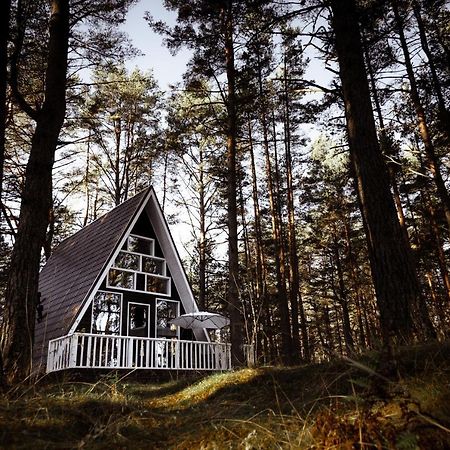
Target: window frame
141 263
148 320
145 239
167 279
140 271
156 317
101 291
133 272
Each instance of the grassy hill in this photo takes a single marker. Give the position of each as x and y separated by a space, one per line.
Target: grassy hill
343 404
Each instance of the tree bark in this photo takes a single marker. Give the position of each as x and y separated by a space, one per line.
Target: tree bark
295 296
433 160
5 11
234 307
444 116
342 299
21 294
202 232
281 294
386 147
395 280
260 259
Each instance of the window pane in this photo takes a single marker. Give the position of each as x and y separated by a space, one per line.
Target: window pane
127 261
121 279
140 245
138 317
166 311
140 282
158 285
151 265
106 313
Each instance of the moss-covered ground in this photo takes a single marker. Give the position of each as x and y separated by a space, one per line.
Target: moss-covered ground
342 404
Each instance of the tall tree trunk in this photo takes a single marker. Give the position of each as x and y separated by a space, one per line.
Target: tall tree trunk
261 289
395 280
202 237
294 277
260 260
248 308
87 191
440 253
234 306
165 174
433 160
386 146
5 10
343 299
117 159
21 295
282 300
355 282
444 116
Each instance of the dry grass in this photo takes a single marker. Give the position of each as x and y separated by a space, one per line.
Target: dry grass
326 406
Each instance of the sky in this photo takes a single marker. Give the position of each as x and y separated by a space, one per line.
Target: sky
167 69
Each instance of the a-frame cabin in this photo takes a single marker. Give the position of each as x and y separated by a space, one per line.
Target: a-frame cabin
108 293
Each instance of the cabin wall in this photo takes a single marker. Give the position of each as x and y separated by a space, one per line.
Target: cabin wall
128 297
134 301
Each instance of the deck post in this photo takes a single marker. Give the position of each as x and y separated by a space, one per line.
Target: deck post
73 345
130 353
50 354
177 355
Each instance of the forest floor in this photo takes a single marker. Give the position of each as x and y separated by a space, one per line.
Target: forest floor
342 404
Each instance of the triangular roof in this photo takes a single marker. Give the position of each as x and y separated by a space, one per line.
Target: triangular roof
78 265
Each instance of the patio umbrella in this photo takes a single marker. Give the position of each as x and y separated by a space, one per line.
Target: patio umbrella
201 319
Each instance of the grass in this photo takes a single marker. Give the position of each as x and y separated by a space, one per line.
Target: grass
322 406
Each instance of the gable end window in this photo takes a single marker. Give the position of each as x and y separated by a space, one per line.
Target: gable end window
121 279
136 268
140 244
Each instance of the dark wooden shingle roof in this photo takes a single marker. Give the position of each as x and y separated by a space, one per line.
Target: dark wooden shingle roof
74 267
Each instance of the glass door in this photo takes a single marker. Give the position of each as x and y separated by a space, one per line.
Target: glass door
138 319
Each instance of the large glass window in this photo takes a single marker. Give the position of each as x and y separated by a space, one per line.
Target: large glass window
138 322
127 260
140 245
157 285
166 310
153 265
120 279
106 308
136 268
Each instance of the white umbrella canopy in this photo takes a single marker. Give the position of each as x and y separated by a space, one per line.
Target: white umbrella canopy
201 319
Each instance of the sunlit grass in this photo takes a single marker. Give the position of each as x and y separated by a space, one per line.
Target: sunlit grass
322 406
204 389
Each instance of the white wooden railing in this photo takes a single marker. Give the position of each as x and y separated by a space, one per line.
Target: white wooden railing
82 350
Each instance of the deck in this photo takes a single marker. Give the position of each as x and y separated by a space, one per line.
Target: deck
81 350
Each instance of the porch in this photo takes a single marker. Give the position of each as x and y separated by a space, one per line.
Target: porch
81 350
